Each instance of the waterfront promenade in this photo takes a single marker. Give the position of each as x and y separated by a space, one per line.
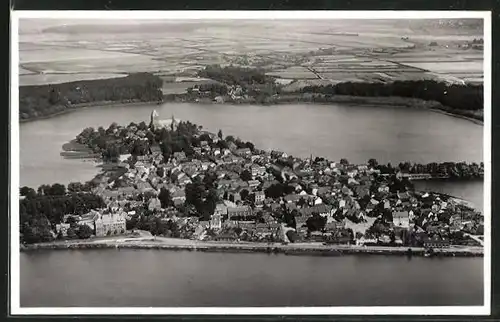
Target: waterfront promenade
310 248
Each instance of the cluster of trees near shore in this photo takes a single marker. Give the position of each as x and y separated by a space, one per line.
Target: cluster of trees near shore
45 100
41 210
460 97
254 81
458 170
234 75
116 140
468 97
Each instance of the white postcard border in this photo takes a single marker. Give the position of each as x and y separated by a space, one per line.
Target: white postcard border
15 308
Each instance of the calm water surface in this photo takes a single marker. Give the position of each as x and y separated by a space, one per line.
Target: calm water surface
468 190
389 134
162 278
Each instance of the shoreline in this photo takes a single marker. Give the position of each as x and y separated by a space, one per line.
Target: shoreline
78 107
394 101
302 249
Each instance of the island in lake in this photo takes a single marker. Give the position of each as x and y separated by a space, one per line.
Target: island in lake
170 184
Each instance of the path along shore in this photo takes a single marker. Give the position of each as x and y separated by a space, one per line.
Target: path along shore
311 249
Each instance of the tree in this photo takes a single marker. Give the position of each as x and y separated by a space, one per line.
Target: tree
84 232
44 190
250 145
74 187
165 198
244 194
292 236
71 233
209 179
289 218
344 162
246 175
111 153
57 190
372 163
71 220
194 194
301 202
142 126
316 222
220 135
54 96
27 192
275 191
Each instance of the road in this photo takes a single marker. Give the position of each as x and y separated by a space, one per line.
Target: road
147 241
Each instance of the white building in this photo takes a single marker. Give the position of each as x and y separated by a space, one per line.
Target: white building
157 123
110 224
63 229
216 221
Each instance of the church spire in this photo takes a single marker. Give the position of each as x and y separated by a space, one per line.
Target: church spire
154 118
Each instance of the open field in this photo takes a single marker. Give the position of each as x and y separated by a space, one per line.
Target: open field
180 87
330 49
35 79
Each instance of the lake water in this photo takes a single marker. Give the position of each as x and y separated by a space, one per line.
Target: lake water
469 190
166 279
389 134
162 278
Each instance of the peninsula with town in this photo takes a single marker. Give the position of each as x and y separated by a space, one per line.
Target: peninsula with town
170 184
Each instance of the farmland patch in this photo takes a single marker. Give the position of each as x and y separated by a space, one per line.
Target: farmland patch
447 67
37 79
68 54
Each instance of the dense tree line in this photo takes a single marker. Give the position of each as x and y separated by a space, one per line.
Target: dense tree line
447 169
154 225
214 89
43 100
118 140
461 97
459 170
278 190
233 75
41 210
183 139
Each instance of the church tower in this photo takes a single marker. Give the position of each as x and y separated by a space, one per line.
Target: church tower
154 119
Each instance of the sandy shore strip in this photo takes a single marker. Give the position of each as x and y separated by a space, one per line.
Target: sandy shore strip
219 246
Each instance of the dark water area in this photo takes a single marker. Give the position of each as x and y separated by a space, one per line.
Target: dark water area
151 278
